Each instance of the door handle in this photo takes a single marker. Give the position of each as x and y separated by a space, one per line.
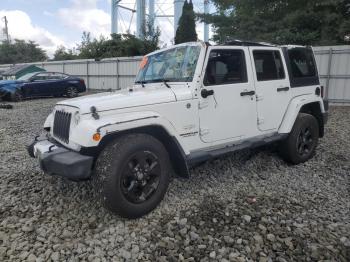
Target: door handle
280 89
248 93
205 93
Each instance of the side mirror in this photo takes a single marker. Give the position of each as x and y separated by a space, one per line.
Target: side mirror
205 93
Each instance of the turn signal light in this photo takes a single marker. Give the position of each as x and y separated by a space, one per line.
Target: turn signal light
96 137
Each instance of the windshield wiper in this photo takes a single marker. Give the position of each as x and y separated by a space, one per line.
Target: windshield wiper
141 82
157 80
165 81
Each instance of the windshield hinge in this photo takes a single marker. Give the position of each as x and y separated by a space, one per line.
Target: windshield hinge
261 121
203 104
204 131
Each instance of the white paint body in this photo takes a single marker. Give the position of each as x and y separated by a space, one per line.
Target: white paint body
197 123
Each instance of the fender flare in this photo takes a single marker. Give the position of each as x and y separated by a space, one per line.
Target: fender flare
294 108
137 122
176 154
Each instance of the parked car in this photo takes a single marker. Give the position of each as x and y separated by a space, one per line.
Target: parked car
41 84
190 102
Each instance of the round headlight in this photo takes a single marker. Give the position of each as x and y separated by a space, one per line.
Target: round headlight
76 117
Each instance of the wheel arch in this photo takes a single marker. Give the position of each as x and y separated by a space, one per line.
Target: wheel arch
176 153
303 104
314 109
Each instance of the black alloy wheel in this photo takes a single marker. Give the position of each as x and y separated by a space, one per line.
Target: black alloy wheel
72 92
304 142
17 96
140 177
301 142
132 174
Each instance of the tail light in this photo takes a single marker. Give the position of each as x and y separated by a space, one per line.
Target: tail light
322 91
82 81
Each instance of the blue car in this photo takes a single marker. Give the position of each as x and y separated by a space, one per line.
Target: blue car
41 84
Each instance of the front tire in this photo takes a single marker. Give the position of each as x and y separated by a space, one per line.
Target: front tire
302 141
17 96
132 175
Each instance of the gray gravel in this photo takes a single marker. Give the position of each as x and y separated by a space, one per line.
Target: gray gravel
249 206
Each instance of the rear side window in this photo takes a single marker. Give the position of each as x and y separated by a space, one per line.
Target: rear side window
225 67
302 62
268 65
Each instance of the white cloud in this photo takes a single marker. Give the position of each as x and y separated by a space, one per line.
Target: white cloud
84 15
21 27
48 13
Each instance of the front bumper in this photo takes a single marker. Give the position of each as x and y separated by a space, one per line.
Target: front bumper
57 160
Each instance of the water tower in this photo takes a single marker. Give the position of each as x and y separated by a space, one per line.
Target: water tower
140 9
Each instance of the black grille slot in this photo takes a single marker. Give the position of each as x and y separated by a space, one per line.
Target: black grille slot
61 125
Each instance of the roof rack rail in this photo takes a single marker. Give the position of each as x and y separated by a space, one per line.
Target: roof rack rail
246 43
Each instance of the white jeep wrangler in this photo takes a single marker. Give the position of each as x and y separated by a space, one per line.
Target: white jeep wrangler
190 102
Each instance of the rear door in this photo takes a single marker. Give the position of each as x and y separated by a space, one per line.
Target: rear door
227 107
272 85
56 84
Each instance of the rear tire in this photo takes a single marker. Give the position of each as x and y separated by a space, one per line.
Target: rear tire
132 175
72 91
302 141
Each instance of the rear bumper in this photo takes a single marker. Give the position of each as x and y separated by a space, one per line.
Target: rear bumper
325 117
57 160
325 114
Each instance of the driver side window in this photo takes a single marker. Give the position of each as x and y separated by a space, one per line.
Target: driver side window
225 67
40 77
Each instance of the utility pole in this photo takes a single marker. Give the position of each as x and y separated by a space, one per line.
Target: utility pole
6 30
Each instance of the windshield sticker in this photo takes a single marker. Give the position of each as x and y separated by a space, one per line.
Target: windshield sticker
143 62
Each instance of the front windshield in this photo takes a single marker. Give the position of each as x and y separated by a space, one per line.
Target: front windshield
27 76
175 65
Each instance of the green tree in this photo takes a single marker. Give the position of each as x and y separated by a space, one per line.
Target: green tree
119 45
186 31
63 53
20 51
317 22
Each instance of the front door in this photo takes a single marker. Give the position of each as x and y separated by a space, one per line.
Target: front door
227 107
272 85
38 85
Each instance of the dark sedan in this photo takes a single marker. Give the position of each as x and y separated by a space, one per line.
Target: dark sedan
41 84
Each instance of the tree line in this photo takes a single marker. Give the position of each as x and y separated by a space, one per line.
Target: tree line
314 22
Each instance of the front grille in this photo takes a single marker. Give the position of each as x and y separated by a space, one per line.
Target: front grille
61 125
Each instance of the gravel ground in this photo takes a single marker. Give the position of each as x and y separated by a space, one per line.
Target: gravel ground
248 206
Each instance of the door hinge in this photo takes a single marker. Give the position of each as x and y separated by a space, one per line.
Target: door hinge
203 104
261 121
203 131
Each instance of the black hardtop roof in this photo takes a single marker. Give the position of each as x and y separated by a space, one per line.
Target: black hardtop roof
246 43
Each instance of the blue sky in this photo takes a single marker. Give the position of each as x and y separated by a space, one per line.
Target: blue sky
61 22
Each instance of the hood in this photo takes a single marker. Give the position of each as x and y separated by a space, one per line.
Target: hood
122 99
9 84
